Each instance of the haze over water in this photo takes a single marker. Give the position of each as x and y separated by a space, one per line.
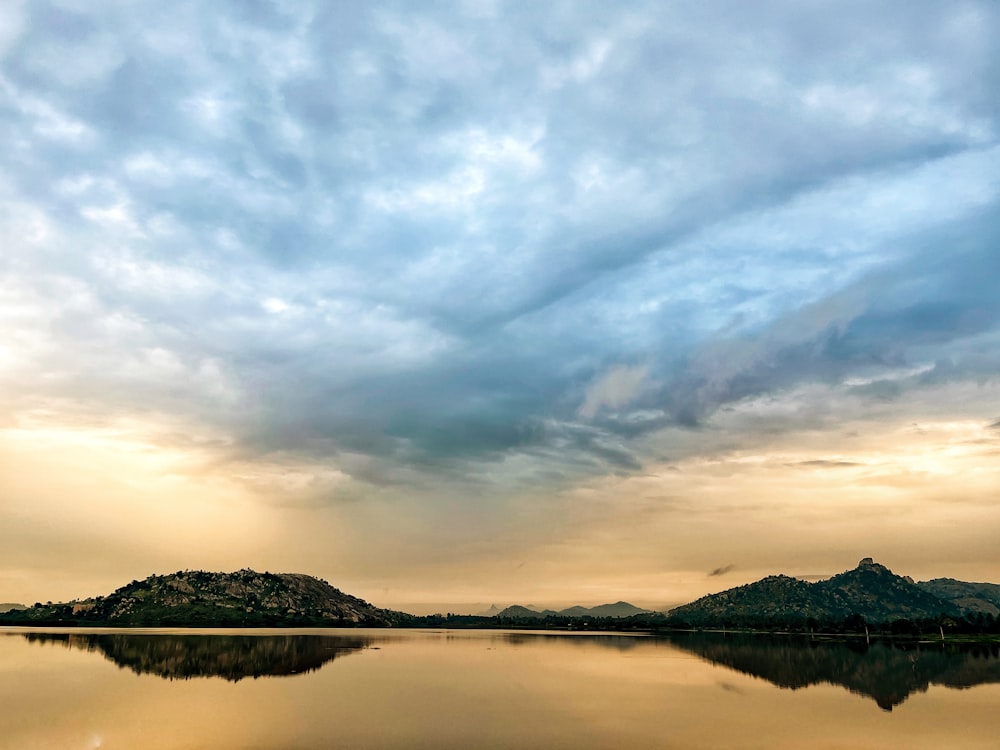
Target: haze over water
187 690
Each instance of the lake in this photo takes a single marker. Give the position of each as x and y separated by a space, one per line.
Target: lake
311 689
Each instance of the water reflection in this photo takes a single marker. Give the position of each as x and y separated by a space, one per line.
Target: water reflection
231 657
483 689
886 672
604 640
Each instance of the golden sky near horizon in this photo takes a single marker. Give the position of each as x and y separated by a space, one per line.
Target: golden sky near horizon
105 505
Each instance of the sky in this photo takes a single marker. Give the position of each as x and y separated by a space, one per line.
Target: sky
475 302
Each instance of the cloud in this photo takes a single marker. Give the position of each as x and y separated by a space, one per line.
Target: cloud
615 389
822 463
411 243
721 571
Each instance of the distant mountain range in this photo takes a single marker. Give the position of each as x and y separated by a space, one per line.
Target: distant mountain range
870 591
618 609
7 606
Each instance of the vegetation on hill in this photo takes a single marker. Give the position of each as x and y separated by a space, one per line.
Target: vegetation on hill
868 598
201 599
969 597
870 591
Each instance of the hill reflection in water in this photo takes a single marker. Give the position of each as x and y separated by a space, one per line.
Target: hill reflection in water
886 672
231 657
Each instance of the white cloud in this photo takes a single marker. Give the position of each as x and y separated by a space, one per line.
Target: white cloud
274 305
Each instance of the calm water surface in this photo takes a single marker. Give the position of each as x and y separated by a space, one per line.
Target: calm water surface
305 690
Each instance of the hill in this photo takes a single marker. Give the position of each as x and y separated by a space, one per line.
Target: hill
870 591
969 597
7 606
198 598
618 609
516 611
878 595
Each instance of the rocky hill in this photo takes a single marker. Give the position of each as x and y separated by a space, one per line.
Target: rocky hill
198 598
969 597
870 590
768 598
876 593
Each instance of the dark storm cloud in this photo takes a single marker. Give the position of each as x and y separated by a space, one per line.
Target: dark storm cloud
429 235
